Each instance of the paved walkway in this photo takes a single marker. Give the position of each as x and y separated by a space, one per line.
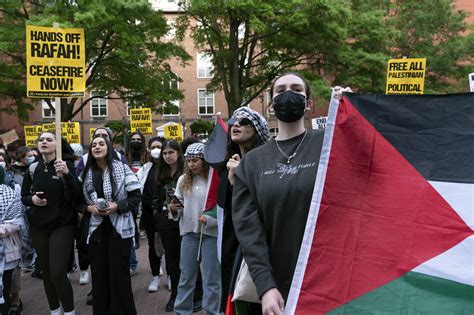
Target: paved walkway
34 298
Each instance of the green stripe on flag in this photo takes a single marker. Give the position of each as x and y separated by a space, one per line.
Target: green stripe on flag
414 293
211 212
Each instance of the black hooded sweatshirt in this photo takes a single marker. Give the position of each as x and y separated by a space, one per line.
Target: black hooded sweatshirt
61 192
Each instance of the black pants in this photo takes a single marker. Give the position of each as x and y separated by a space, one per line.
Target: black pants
81 242
146 221
169 233
110 266
7 284
53 247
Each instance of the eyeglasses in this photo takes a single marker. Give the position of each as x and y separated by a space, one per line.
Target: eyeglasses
243 121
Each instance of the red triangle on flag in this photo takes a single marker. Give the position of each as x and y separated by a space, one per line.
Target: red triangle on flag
378 219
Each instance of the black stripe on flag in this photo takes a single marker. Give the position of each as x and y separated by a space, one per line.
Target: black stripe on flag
435 133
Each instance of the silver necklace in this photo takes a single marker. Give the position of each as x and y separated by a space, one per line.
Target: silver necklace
288 158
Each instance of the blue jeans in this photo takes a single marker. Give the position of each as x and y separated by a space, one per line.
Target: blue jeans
210 270
133 258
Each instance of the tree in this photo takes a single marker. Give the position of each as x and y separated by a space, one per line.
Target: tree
125 55
251 42
120 129
382 30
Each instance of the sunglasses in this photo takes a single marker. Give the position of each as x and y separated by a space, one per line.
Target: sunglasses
241 121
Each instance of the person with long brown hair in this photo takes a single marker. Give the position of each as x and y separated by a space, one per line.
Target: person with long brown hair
198 230
111 190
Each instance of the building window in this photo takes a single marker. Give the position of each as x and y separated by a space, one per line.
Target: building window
46 111
204 66
99 106
130 106
170 35
173 110
205 102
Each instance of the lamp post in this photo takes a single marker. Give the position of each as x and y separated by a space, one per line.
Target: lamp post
183 122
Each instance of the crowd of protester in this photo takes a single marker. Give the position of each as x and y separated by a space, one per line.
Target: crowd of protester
51 204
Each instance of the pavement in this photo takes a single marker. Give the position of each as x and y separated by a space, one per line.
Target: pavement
35 303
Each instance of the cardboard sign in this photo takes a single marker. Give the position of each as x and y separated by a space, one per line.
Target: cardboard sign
319 122
55 61
141 120
406 76
174 131
49 127
31 135
9 137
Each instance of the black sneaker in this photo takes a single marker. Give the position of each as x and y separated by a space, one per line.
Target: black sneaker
16 309
37 274
197 306
169 306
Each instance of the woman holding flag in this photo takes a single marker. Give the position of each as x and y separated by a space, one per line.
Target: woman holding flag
272 194
196 189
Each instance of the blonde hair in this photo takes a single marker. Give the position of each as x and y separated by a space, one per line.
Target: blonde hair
187 182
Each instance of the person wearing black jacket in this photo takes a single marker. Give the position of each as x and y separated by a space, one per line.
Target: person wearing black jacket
50 195
111 190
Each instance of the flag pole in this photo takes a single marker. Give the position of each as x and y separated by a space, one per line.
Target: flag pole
57 119
200 242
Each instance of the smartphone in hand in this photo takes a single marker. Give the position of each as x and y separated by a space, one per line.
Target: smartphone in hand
176 199
40 195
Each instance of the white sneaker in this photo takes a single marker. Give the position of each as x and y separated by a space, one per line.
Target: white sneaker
84 278
154 284
169 283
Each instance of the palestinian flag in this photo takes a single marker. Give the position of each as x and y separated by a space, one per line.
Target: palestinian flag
216 146
390 229
210 208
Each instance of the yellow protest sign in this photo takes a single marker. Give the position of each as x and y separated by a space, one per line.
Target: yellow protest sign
71 131
140 120
49 127
174 131
55 61
91 133
31 135
406 76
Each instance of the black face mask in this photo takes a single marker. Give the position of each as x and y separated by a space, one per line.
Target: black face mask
289 106
136 146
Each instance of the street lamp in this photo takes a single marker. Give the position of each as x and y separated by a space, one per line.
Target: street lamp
183 122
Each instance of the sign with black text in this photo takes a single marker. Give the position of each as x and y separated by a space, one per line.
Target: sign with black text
55 61
406 76
141 120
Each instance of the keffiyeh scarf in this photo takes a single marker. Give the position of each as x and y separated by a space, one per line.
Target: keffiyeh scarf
12 211
126 181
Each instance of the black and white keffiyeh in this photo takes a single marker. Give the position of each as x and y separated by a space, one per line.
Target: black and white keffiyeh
11 211
126 181
195 150
258 121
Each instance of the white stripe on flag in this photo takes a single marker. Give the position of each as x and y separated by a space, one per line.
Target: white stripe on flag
456 264
220 228
313 211
460 196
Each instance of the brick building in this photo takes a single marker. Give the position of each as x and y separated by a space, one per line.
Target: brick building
198 102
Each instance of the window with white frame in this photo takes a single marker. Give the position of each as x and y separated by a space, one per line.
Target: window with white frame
46 110
170 110
204 66
205 102
171 29
99 106
130 106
